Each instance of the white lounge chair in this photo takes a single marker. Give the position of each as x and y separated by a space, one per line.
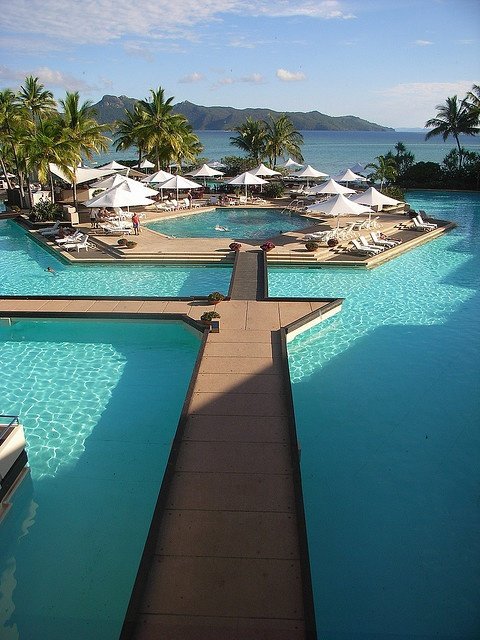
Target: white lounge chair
77 236
346 232
83 244
419 226
50 231
117 227
422 221
361 224
364 251
381 242
364 243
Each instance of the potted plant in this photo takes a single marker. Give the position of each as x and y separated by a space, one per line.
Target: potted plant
311 245
130 244
332 242
122 242
208 316
267 246
235 246
215 297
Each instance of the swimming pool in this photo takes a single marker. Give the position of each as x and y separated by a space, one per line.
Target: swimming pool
23 262
100 404
250 223
387 406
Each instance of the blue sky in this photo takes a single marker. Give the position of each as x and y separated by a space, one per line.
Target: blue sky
388 61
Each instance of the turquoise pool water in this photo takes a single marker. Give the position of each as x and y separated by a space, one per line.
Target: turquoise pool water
23 262
100 404
387 401
252 223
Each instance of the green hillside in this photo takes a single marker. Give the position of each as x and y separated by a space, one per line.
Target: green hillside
111 108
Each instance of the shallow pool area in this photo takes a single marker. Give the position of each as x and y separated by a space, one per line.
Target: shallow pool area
387 407
23 264
100 403
237 222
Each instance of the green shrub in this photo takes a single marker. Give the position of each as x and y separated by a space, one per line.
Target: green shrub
311 245
273 189
209 315
44 210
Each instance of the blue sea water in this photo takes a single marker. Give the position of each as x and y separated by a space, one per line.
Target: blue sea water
331 151
387 403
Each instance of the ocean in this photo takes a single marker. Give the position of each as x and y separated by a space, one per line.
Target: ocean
330 151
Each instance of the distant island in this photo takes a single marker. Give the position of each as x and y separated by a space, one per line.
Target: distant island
112 108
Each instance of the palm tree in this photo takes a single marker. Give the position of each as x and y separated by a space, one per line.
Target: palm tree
166 136
453 119
128 133
34 97
472 100
282 139
403 159
385 169
14 128
82 131
251 139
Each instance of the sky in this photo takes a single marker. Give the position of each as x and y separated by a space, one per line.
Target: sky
387 61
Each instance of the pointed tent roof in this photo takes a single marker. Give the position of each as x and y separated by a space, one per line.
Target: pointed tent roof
291 163
132 185
349 176
204 172
310 172
83 174
330 187
145 164
159 176
118 196
116 166
246 178
339 205
374 198
179 182
262 170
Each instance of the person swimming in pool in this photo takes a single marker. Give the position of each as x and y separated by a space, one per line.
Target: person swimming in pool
51 270
220 228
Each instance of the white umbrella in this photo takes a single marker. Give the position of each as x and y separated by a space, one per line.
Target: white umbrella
179 182
262 170
116 166
358 168
132 185
82 174
204 172
330 187
159 176
118 196
246 179
310 172
374 198
349 176
338 206
145 164
291 163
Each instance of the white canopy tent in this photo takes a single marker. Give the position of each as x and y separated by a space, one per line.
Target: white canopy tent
331 187
373 198
132 185
159 177
264 171
349 176
291 163
116 166
118 196
180 183
145 164
246 178
82 174
310 172
204 172
338 206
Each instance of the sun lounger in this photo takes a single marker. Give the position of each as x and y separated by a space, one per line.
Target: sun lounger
50 231
74 237
364 251
83 244
419 226
424 222
117 227
363 242
361 224
383 242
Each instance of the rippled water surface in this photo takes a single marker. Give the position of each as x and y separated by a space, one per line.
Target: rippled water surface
387 405
100 404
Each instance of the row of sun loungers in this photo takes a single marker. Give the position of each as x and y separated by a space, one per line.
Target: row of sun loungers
365 248
421 225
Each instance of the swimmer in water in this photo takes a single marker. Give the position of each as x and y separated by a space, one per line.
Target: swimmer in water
50 270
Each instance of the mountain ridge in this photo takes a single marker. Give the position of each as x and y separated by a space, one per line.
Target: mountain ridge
201 118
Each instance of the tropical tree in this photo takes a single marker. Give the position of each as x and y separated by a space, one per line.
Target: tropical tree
167 136
453 119
403 158
251 138
281 138
36 99
128 133
385 169
14 128
472 101
83 133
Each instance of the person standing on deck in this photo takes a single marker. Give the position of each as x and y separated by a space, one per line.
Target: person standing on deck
136 224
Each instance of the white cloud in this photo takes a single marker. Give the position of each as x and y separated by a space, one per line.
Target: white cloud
49 77
423 43
191 78
290 76
241 43
70 22
430 91
139 49
253 78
